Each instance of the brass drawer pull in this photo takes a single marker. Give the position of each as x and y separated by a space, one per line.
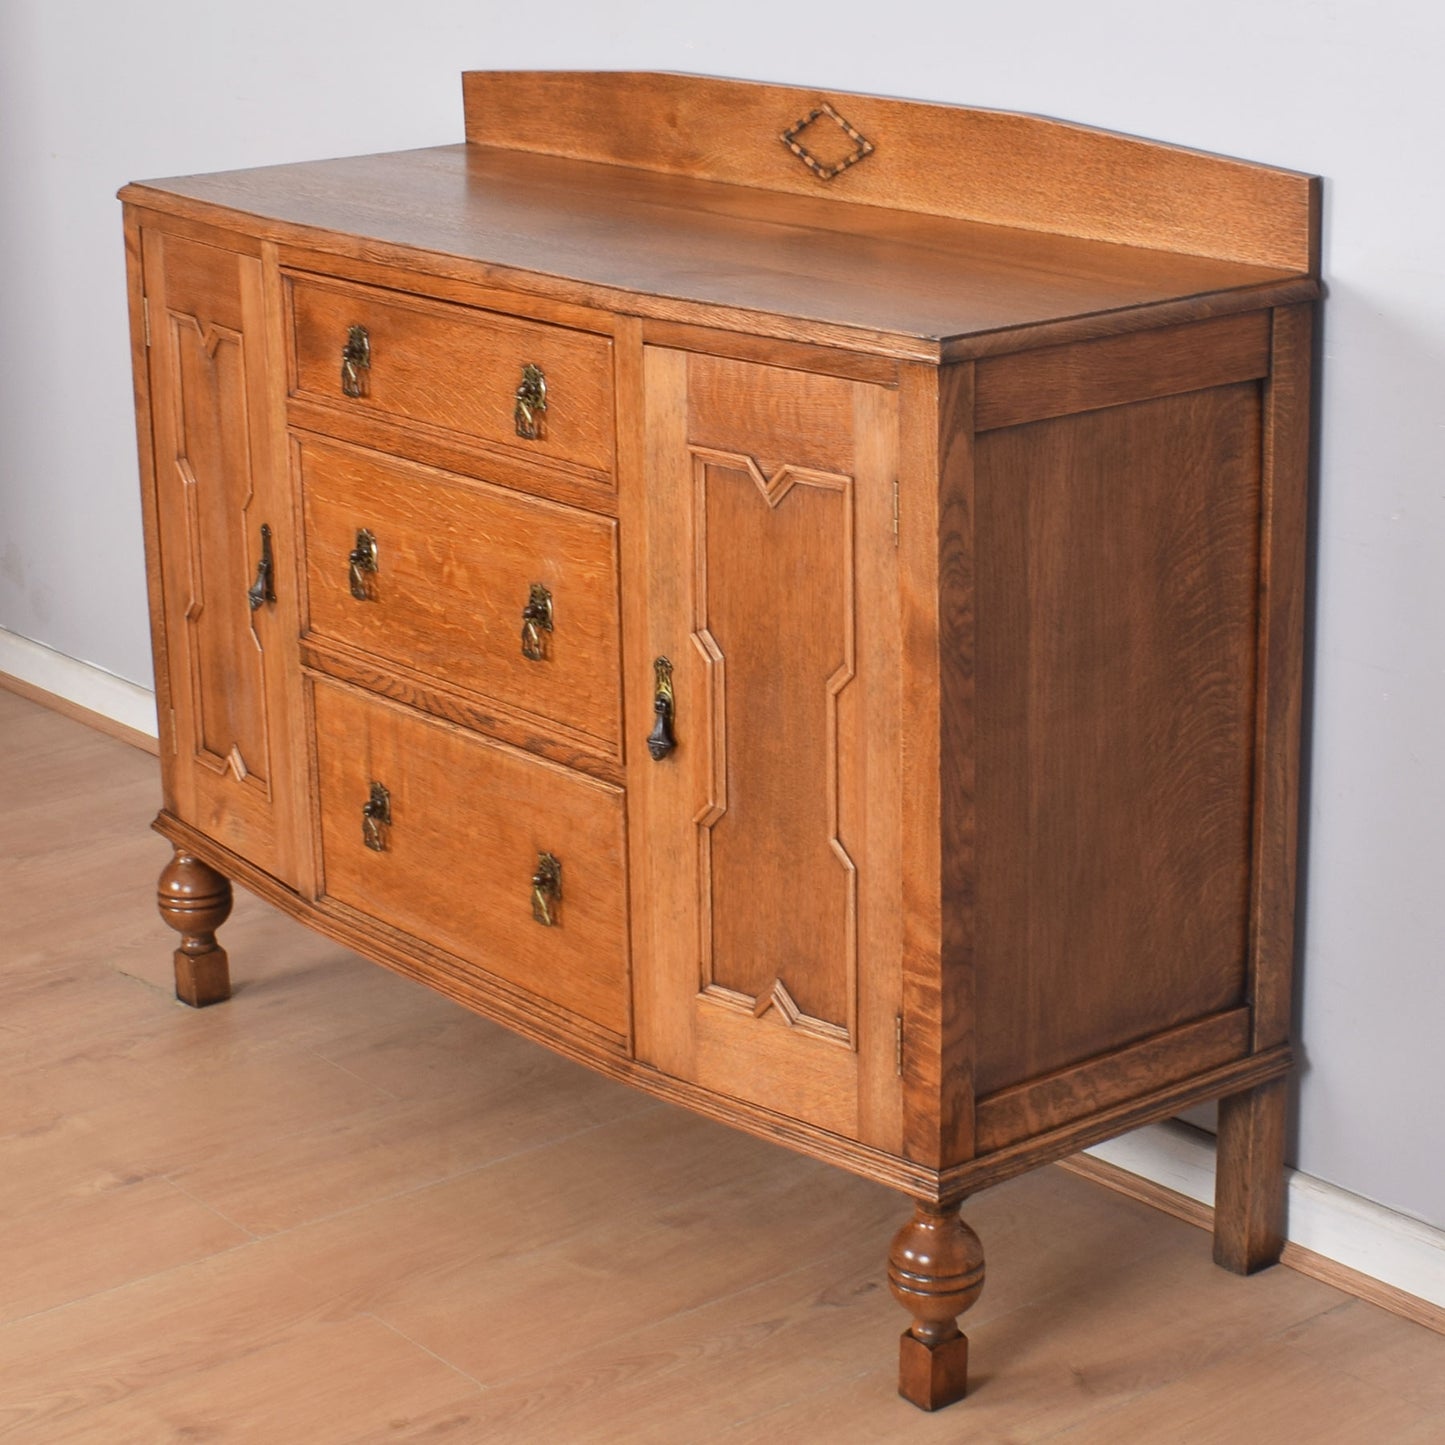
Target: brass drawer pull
531 403
536 619
376 815
660 740
355 358
363 565
263 589
546 889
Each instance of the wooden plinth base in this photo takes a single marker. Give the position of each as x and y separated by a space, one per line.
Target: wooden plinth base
932 1376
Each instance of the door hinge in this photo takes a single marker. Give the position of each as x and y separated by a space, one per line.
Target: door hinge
895 514
171 729
898 1043
145 311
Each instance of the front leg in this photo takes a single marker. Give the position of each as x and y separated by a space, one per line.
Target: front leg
196 900
935 1270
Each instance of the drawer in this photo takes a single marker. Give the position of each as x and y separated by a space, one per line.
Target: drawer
458 564
454 368
469 820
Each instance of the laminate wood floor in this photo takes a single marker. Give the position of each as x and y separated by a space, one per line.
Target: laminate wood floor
339 1208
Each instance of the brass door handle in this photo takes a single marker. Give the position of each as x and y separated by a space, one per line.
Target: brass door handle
376 815
263 589
536 619
355 358
531 404
363 560
546 889
660 741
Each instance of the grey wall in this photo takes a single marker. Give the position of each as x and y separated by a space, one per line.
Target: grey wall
94 94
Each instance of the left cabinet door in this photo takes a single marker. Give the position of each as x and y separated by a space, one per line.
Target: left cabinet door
223 567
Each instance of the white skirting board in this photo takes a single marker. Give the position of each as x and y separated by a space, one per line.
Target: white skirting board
1393 1248
81 683
1401 1252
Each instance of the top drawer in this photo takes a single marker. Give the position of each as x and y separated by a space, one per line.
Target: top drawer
452 368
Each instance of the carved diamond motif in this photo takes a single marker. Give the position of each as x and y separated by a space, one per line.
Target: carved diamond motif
825 171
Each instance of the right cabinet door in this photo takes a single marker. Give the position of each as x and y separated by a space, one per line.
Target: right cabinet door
766 844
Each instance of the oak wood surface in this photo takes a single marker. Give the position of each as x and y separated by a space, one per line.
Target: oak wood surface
1061 380
453 368
673 248
456 563
951 533
469 820
1283 544
1031 1108
358 1107
947 160
1249 1204
230 694
771 490
1117 602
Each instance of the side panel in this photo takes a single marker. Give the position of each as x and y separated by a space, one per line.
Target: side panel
770 970
1118 567
233 677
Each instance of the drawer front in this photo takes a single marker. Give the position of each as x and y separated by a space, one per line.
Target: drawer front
453 368
455 864
507 596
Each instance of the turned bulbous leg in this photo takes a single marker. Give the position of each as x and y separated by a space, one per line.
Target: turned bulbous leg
935 1270
196 900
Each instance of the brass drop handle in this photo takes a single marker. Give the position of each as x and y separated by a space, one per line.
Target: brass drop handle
660 740
363 560
355 358
263 589
546 889
531 404
376 815
536 619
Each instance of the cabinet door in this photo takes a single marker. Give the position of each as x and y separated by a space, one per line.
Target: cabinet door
765 847
231 679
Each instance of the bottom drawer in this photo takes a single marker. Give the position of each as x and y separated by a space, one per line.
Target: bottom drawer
450 851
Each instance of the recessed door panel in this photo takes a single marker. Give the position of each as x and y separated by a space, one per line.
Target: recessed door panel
770 833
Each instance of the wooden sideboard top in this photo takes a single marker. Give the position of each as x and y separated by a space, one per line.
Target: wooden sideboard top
644 217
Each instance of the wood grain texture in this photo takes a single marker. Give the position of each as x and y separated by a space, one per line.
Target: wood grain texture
1117 611
1249 1183
385 1155
63 705
957 760
456 562
670 248
532 1018
230 695
453 368
469 819
970 850
946 160
756 488
195 900
1285 506
1027 1109
404 684
1060 380
923 1011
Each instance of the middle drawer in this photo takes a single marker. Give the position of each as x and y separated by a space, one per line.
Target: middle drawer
503 595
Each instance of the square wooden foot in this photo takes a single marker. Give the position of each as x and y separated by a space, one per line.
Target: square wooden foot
1249 1191
202 978
932 1376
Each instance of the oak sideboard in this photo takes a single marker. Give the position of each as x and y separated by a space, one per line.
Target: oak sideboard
792 599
